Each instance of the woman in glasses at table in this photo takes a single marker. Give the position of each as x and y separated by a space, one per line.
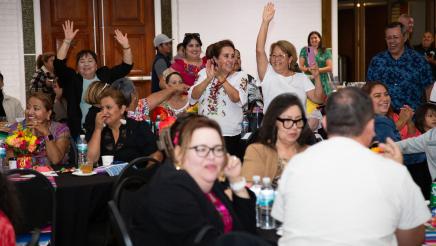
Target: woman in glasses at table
115 134
278 75
191 63
185 202
283 134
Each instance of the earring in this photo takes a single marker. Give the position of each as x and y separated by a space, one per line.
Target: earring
123 121
178 166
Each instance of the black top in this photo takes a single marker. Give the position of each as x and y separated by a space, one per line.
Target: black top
173 209
135 140
2 110
72 84
154 77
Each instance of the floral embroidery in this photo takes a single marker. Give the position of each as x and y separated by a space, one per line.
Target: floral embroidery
212 100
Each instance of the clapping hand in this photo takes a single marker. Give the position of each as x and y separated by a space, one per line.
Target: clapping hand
122 39
69 31
268 12
210 69
406 113
38 127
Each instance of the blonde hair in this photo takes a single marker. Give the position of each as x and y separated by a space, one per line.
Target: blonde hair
289 49
94 92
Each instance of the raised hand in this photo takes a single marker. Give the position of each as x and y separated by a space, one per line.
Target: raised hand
268 12
232 170
69 31
181 88
122 39
210 69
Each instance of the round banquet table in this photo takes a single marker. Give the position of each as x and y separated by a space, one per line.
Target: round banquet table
80 203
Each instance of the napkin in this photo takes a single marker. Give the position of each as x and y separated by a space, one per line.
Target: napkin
112 170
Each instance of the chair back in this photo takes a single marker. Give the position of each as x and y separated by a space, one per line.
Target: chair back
118 225
36 196
142 166
137 174
73 153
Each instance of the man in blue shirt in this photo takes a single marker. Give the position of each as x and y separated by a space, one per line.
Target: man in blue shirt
405 72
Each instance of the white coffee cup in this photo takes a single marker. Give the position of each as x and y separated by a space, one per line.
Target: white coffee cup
107 159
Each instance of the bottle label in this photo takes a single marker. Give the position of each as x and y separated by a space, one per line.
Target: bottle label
266 197
82 148
2 152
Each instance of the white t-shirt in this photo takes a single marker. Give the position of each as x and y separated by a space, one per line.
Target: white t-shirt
216 104
274 84
338 192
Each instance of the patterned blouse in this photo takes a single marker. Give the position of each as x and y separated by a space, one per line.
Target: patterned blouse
406 77
189 72
141 112
38 83
58 130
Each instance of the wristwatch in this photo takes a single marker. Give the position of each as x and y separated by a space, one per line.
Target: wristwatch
48 138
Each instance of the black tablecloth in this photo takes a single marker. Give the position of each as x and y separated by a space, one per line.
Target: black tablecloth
80 202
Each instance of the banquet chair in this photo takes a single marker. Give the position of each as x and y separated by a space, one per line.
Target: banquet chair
119 227
73 153
37 202
142 166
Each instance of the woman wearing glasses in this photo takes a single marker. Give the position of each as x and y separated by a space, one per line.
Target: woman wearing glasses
191 63
282 135
279 75
184 203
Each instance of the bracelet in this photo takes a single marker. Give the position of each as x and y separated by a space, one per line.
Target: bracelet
67 42
126 48
238 186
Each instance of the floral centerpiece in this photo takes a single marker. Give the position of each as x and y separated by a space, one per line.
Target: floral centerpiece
23 143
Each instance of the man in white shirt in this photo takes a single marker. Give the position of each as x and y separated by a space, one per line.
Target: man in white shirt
338 192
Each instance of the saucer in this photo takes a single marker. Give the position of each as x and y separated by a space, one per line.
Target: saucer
79 173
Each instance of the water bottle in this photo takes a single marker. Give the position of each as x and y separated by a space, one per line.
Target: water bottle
333 82
267 222
82 149
245 125
255 188
156 125
2 155
257 110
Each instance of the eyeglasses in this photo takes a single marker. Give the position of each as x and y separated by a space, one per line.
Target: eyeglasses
195 34
289 123
272 56
203 150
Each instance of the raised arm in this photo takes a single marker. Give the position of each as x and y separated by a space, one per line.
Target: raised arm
124 42
261 57
155 99
69 34
316 95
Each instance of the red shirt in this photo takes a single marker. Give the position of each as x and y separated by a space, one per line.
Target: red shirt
7 233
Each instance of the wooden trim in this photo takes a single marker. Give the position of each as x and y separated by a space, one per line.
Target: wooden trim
327 23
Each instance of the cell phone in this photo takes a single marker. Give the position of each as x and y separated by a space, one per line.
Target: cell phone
311 56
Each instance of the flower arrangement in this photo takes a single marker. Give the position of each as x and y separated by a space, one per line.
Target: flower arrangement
23 141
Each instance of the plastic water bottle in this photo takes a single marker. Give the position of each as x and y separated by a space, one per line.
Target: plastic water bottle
255 188
2 155
267 222
82 149
245 125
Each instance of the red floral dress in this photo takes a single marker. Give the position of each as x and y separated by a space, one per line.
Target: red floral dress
189 72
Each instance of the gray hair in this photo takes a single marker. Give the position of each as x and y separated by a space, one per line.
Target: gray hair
126 87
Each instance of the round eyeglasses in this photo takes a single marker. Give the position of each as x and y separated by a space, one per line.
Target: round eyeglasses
203 150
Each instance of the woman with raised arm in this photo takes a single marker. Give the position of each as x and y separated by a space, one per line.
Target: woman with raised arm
75 83
278 75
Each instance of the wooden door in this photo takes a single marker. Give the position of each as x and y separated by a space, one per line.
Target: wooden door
96 21
55 12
